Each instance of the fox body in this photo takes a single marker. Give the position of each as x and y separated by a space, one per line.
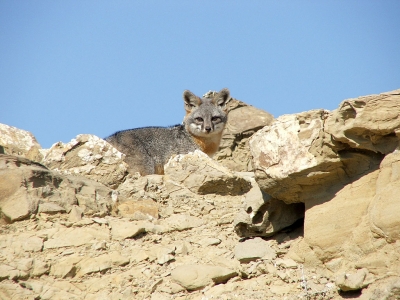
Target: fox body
148 149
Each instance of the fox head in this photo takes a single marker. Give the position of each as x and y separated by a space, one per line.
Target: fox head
206 116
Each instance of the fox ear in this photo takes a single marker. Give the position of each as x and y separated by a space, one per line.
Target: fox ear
191 100
222 98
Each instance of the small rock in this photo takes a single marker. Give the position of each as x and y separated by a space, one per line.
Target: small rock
93 265
286 263
254 249
76 237
352 281
50 208
75 215
139 255
65 267
193 277
18 207
210 242
99 246
121 230
182 222
100 221
33 243
39 268
139 210
162 254
280 289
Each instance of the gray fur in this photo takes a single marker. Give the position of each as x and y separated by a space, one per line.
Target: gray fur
148 149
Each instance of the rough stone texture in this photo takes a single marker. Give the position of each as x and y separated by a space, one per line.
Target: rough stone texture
298 156
294 158
369 123
202 175
74 238
121 230
18 142
352 281
359 227
26 186
243 121
384 210
89 156
254 249
138 210
193 277
262 215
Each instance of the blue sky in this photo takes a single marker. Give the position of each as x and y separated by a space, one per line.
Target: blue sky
71 67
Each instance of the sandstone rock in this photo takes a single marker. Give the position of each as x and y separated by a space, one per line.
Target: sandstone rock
50 208
328 228
350 237
202 175
383 289
65 267
282 157
296 159
280 289
121 230
210 242
33 244
351 281
253 249
182 222
76 213
139 210
89 156
100 263
354 225
24 184
193 277
39 268
287 263
19 142
243 121
139 255
162 254
385 209
8 272
68 237
18 206
10 291
262 215
369 123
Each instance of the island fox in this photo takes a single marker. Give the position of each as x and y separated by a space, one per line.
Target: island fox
147 149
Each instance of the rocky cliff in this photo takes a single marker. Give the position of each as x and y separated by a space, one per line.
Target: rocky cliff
304 206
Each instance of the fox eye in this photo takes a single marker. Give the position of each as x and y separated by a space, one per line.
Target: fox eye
215 119
198 119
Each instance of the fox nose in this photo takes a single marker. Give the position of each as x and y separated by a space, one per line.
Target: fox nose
208 129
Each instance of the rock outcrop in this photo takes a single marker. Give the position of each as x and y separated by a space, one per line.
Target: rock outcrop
243 121
18 142
317 219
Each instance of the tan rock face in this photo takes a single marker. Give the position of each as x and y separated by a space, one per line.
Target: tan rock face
311 155
369 123
384 209
26 186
